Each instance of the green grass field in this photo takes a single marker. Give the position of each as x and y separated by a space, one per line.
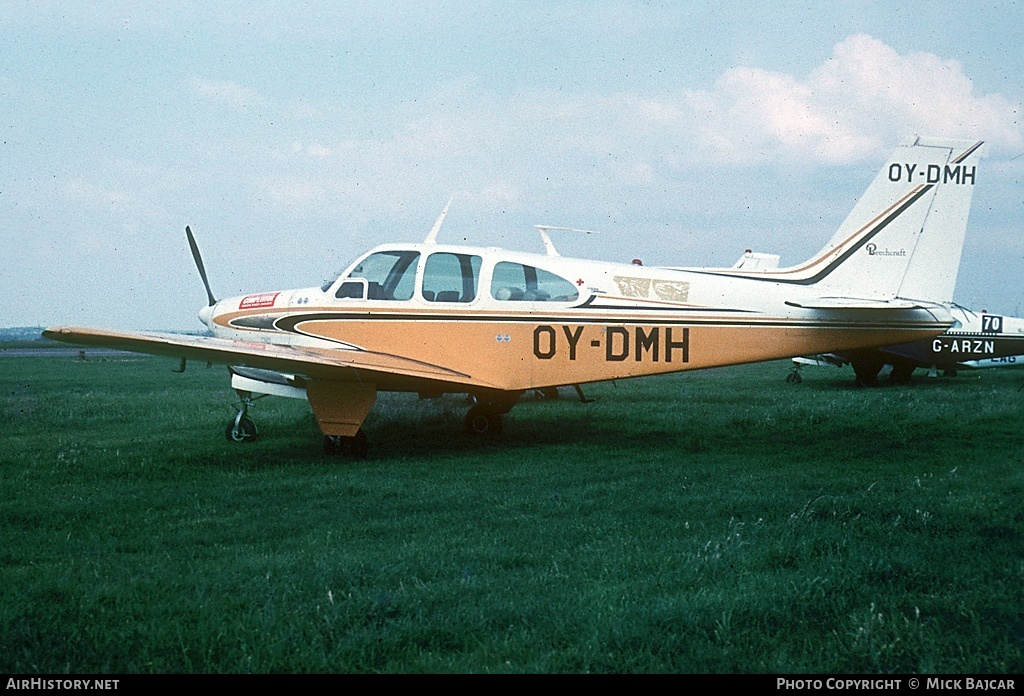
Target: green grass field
715 521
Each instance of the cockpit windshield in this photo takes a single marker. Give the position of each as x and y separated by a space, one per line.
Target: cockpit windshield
386 275
329 281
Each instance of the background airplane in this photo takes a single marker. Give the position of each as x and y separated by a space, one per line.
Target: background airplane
975 340
434 319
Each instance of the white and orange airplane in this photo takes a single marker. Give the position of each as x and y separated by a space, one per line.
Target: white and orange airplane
435 318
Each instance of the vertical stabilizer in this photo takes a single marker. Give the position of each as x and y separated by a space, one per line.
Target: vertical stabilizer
904 236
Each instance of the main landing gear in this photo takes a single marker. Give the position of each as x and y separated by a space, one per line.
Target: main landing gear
867 369
901 372
356 446
483 421
485 417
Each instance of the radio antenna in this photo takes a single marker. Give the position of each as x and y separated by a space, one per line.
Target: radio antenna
546 238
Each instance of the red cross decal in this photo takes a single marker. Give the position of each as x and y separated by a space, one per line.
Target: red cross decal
580 282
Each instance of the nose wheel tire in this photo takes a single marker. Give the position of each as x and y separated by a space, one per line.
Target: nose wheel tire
241 429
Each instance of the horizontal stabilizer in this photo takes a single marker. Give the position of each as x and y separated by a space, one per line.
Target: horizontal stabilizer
857 303
822 359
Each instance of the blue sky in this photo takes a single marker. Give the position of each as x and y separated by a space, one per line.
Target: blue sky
293 136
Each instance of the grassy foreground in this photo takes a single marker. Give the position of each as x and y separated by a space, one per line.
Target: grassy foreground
716 521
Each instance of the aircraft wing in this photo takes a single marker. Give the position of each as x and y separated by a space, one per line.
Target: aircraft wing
387 370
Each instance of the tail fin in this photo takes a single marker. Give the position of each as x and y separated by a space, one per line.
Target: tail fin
904 237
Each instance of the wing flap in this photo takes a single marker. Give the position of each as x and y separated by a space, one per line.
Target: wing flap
317 363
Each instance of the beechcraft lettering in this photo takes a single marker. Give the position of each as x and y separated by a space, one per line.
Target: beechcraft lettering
873 250
619 343
434 319
932 174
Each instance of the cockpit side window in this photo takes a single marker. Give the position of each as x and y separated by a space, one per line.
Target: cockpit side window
451 277
516 282
388 275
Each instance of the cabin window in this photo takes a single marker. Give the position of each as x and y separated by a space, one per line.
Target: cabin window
516 282
386 275
451 277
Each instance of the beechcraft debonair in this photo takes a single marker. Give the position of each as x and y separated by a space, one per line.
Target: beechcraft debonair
433 318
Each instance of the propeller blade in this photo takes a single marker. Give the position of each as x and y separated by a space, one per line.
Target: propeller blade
199 264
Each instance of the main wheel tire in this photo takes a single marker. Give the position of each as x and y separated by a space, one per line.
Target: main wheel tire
332 444
901 373
242 431
357 446
483 421
867 372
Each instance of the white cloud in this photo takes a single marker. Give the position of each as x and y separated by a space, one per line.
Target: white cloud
232 94
82 192
292 191
514 148
314 151
496 195
853 107
859 102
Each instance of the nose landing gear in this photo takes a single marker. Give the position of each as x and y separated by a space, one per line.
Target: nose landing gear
242 428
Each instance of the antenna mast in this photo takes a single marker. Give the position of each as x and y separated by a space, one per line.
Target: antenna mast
432 237
548 246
